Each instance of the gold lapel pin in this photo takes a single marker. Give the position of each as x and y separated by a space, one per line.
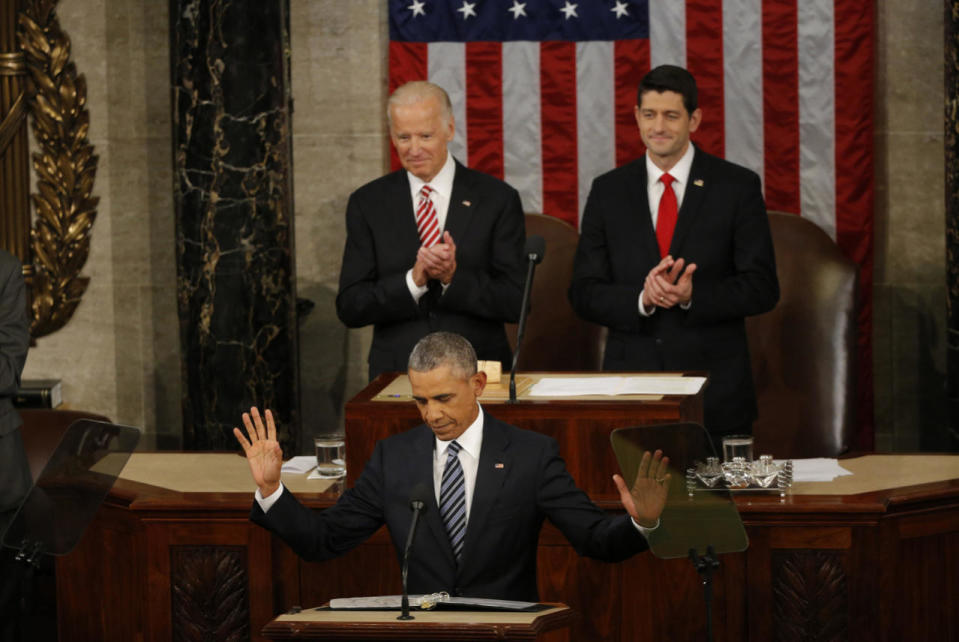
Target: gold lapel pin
499 465
467 203
698 182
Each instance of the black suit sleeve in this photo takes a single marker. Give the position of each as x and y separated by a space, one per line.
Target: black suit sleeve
321 535
489 284
594 292
730 244
589 529
14 325
370 292
751 286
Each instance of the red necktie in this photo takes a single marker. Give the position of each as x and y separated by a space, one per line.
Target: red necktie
666 218
426 222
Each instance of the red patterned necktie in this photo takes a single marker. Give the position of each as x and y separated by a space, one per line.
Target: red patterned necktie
427 224
666 217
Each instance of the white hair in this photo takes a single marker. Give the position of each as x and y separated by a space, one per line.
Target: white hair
417 91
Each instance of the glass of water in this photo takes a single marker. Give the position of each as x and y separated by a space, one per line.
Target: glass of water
330 455
738 446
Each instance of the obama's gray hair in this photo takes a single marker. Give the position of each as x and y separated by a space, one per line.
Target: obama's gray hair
443 349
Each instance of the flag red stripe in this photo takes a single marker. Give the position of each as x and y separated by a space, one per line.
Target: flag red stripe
408 61
854 61
781 105
557 65
630 64
704 59
484 107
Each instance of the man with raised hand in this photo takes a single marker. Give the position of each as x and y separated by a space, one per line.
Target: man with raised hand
489 487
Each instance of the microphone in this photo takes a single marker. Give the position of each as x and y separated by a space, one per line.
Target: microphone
535 251
535 248
418 506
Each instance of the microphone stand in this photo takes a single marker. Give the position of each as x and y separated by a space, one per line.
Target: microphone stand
706 565
417 506
535 256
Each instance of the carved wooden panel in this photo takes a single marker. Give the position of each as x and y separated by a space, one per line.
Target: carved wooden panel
810 596
210 599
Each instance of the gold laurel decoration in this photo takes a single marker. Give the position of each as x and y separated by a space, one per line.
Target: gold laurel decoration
65 167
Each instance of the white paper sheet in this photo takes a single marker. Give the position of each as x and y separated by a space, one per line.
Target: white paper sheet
581 386
300 464
819 469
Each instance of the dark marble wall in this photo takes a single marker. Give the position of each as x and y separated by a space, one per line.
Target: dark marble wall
234 230
951 127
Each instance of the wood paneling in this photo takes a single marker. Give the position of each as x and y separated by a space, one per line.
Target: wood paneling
871 566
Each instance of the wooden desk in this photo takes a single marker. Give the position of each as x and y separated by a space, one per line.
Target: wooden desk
323 624
875 561
581 425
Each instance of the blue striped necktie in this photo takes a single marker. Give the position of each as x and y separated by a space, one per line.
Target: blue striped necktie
453 500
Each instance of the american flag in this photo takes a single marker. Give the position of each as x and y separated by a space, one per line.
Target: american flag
543 94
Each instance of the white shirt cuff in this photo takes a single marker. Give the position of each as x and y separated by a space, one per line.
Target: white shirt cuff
642 309
266 503
642 529
416 291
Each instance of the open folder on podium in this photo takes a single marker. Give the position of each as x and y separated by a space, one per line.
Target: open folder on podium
429 602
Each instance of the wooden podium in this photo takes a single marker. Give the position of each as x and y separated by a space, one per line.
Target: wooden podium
172 554
323 624
866 557
581 425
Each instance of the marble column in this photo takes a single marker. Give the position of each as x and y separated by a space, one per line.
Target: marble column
951 127
234 216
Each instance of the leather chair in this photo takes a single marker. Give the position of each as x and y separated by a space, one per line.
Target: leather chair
556 339
42 430
804 351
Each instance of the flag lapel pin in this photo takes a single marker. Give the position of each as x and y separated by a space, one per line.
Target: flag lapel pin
499 465
698 182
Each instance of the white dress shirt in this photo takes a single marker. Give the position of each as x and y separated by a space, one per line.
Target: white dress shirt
654 192
471 441
442 185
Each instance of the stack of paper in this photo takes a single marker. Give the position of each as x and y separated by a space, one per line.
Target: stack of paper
299 465
820 469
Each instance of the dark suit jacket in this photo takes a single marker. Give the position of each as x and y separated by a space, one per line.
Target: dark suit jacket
723 228
14 341
14 338
508 507
486 222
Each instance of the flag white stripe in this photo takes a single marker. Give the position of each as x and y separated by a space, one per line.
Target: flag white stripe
595 101
817 113
595 121
667 32
522 140
743 82
446 67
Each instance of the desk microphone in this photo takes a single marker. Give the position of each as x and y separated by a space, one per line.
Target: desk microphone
535 250
418 506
